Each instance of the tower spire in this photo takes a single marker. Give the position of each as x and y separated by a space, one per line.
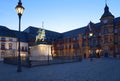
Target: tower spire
106 11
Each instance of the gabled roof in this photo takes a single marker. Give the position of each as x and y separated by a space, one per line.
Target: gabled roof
23 36
4 31
90 27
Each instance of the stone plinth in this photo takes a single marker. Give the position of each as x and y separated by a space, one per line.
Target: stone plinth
40 52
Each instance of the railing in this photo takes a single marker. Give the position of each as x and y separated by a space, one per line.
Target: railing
26 61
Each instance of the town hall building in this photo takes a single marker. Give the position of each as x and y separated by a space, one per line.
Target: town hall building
95 39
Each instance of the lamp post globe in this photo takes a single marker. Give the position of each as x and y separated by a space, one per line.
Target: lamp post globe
90 34
20 9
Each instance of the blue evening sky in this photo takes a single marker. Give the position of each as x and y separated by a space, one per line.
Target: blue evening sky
58 15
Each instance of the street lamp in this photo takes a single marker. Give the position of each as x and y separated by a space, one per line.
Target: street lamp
90 34
20 9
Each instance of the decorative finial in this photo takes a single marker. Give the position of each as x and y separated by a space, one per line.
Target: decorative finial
42 24
20 3
105 2
19 0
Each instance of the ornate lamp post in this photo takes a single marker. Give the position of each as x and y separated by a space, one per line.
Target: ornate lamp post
90 34
20 9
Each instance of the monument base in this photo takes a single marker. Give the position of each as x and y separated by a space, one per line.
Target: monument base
40 52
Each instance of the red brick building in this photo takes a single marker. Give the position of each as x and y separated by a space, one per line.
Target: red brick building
96 38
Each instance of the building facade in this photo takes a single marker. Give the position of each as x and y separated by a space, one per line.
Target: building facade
97 39
9 43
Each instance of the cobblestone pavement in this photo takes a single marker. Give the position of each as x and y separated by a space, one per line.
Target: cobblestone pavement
97 70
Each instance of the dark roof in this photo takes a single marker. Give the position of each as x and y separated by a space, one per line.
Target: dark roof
106 12
116 20
32 31
4 31
74 32
23 36
79 31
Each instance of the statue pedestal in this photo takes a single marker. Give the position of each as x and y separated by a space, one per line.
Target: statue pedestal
40 52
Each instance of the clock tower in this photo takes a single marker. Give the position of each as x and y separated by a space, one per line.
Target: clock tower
107 16
107 28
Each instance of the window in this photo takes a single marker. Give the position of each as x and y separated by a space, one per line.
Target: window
61 47
22 48
10 39
2 54
10 45
78 38
105 39
3 39
67 39
99 34
84 37
84 43
26 48
2 46
105 31
69 46
94 42
94 35
75 38
76 45
116 39
115 30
